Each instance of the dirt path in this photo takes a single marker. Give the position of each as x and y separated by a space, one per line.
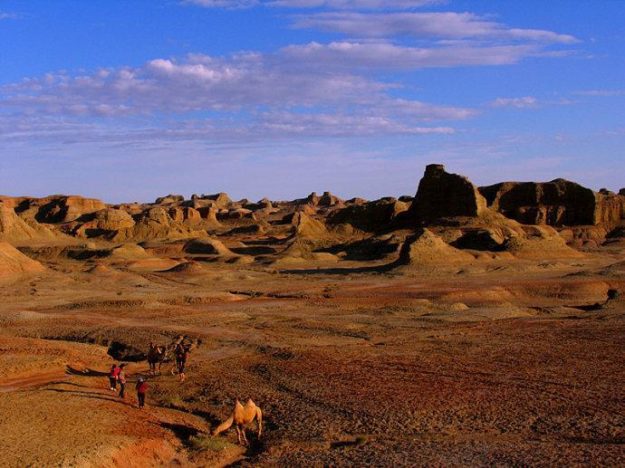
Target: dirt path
33 381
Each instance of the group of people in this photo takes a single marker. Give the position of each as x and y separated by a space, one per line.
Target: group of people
156 356
117 378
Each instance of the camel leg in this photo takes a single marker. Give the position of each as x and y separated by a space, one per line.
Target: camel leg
239 435
244 436
259 421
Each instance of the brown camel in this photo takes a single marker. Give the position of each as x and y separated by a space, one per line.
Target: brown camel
241 417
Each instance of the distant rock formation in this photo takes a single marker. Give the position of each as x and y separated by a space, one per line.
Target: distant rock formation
169 200
156 223
326 200
106 222
369 216
556 203
60 208
442 195
17 231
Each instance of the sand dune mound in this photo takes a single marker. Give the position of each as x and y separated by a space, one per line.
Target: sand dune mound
540 242
426 248
13 263
129 252
208 247
189 268
153 264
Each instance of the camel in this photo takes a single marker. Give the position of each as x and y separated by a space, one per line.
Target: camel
159 354
241 417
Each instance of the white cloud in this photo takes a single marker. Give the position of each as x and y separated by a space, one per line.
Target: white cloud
449 25
201 83
385 55
520 102
245 96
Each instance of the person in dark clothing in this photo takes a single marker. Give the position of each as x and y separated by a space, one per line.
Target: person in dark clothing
113 374
121 380
142 389
181 360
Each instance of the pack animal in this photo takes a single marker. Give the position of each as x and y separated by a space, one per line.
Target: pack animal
241 417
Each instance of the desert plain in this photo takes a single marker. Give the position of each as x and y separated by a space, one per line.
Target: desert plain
457 326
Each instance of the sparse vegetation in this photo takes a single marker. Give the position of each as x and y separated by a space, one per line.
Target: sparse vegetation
207 442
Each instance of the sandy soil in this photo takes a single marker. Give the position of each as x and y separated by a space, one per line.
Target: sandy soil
505 363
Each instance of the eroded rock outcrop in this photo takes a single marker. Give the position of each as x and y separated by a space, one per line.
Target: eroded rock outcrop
61 208
13 263
170 199
425 248
17 231
443 195
156 223
369 216
556 203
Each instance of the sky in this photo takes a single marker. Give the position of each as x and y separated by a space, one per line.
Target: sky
130 100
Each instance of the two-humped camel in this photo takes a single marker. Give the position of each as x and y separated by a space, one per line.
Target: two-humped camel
241 417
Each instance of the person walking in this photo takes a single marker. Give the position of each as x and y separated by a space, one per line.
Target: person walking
181 360
121 380
113 374
142 389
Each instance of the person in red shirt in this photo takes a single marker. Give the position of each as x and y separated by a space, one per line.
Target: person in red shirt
113 376
142 388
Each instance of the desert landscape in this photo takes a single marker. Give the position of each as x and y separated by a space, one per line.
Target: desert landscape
454 326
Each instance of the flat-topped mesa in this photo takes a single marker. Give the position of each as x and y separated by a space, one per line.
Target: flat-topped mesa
556 203
444 195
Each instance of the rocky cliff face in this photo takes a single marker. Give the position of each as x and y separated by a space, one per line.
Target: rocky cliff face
442 195
556 203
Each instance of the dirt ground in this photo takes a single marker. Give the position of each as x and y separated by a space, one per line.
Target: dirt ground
509 364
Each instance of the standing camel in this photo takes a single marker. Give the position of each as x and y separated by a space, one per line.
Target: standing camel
241 417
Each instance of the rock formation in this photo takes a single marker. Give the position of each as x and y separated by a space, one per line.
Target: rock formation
556 203
369 216
424 248
13 263
17 231
60 208
442 195
463 224
155 223
169 200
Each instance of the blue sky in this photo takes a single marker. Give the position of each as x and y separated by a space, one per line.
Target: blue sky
130 100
